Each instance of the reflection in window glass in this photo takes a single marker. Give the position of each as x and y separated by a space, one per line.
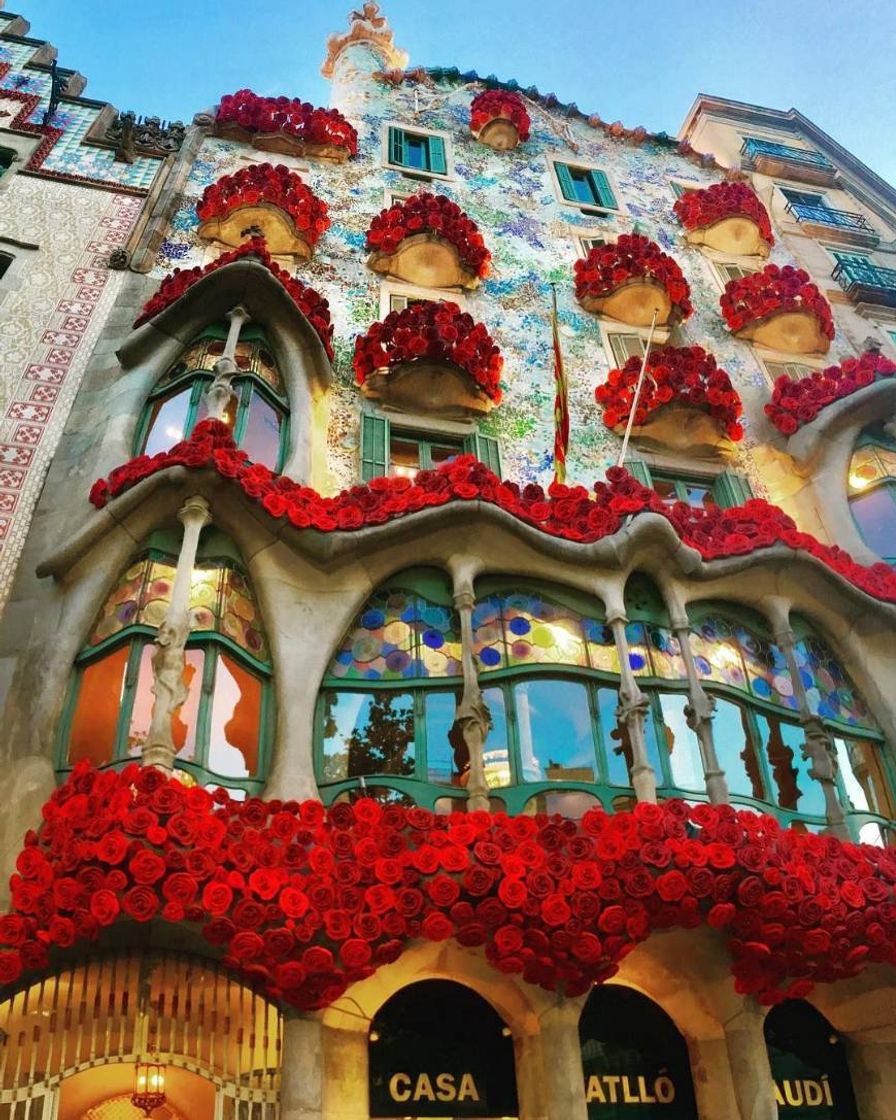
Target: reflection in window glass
683 749
793 787
261 435
447 758
367 733
735 750
235 719
555 732
863 777
95 720
572 803
616 749
167 422
497 753
184 721
875 514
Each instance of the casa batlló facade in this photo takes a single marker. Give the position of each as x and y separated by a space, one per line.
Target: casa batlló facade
377 745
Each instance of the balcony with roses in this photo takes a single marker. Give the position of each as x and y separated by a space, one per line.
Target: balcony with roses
499 119
780 308
264 201
630 280
286 125
429 241
431 357
686 404
728 217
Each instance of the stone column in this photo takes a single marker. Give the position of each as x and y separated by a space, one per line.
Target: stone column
632 712
530 1060
219 393
564 1084
346 1092
698 713
171 639
301 1069
751 1073
473 718
871 1066
818 747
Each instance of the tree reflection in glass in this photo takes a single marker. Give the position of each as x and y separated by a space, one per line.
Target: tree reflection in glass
367 733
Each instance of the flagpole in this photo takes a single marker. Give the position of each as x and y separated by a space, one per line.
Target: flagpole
640 382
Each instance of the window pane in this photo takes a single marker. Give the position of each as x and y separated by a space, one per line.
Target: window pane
862 773
261 435
556 736
367 733
95 720
583 186
168 422
497 753
681 744
404 457
735 750
442 453
875 514
183 724
417 152
447 757
235 720
617 753
793 787
539 631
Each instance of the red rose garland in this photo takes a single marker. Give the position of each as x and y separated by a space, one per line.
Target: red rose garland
687 375
313 306
277 186
304 901
632 257
436 330
798 402
567 512
774 289
290 116
700 209
434 214
494 103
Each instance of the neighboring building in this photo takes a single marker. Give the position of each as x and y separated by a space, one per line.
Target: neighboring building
544 717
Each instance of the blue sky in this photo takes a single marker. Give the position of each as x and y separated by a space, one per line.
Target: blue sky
638 61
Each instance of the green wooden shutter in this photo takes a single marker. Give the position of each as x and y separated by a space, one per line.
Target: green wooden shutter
397 147
438 164
486 450
639 470
603 192
374 446
731 489
567 187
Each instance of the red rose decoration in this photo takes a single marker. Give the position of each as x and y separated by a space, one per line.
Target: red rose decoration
632 257
251 114
499 104
140 903
798 402
700 209
441 219
771 291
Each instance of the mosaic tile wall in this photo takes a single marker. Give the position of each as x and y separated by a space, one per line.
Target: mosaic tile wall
531 236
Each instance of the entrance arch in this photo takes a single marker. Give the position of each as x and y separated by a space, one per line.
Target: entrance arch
808 1063
634 1059
437 1048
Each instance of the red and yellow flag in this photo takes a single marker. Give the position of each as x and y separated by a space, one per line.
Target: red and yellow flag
561 402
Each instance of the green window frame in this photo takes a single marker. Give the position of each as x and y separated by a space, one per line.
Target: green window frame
417 152
247 385
585 186
377 433
727 489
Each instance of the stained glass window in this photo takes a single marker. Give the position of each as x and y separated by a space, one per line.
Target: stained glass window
829 691
516 629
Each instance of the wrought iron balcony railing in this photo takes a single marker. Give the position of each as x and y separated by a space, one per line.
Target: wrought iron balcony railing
753 148
866 282
826 216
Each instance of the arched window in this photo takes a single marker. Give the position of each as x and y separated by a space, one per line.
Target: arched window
808 1064
223 729
872 490
634 1058
258 410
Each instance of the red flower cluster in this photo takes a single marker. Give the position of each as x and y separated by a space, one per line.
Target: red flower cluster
277 186
494 103
298 119
567 512
704 208
434 214
795 403
774 289
305 900
685 374
313 306
632 257
436 330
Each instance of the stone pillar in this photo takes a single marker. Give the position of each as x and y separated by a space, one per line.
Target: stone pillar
220 392
473 718
346 1089
751 1073
632 712
698 713
564 1084
530 1065
818 748
871 1066
301 1069
171 639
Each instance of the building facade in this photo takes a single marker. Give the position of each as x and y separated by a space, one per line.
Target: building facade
347 780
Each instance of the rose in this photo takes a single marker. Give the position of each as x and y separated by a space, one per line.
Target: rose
355 953
140 903
10 966
216 898
436 927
